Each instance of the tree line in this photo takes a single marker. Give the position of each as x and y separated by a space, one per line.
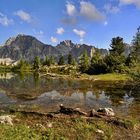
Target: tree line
23 65
115 61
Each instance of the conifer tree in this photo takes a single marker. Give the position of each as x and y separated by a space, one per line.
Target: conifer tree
36 63
84 62
70 59
61 60
97 65
135 54
116 59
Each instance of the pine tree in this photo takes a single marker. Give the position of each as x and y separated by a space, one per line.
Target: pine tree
116 59
84 62
74 63
52 60
61 60
36 63
97 65
22 66
117 46
70 59
47 61
135 55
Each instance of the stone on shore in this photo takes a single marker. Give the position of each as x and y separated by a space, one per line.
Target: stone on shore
6 119
107 111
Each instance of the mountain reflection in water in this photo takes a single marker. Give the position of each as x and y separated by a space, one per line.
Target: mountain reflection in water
48 93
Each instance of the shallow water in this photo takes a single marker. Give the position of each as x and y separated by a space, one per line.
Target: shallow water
36 92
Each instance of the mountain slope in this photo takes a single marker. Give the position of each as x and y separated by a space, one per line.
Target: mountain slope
28 47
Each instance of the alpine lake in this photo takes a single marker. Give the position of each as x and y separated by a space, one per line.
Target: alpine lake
37 92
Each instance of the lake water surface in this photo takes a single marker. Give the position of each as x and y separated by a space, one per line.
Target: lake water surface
32 91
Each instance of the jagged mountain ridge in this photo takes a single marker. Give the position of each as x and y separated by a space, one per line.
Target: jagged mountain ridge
28 47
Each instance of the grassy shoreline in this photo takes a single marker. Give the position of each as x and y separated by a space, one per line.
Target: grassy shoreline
34 127
102 77
67 71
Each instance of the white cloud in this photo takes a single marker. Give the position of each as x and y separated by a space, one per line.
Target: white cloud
23 15
71 9
90 12
72 13
54 40
80 33
5 21
60 30
87 10
128 2
110 9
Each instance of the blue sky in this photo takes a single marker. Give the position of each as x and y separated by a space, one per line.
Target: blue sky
82 21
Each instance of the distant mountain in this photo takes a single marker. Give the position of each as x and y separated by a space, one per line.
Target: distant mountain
28 47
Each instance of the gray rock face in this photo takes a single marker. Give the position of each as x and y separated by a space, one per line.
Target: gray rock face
65 47
28 47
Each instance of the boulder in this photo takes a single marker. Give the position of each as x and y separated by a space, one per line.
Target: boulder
107 111
6 119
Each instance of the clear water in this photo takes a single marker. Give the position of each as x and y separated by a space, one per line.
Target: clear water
36 92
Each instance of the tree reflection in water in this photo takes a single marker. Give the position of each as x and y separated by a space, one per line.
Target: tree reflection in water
48 93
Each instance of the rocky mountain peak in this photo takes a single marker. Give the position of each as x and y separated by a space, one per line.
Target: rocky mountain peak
67 43
28 47
9 41
18 38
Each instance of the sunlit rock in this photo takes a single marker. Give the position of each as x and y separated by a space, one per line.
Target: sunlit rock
107 111
6 119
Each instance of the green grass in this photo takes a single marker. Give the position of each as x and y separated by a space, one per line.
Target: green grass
65 129
27 128
111 77
19 132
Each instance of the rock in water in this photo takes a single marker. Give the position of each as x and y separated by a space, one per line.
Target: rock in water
107 111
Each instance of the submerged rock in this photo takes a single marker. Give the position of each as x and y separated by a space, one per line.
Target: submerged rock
107 111
7 119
